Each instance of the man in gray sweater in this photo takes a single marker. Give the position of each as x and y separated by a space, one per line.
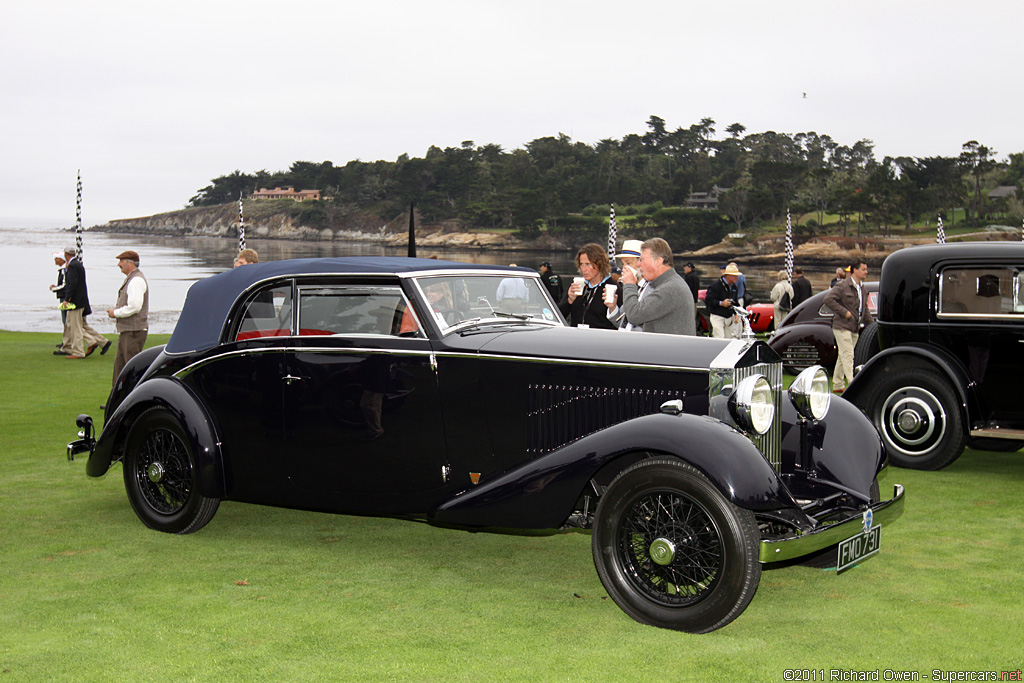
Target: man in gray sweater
667 305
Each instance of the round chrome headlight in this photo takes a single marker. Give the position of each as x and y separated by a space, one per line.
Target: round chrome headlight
809 393
752 404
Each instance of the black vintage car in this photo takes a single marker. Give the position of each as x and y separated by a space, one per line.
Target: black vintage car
455 393
805 337
951 332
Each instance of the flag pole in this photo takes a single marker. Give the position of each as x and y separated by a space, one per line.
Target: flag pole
612 234
789 246
78 218
241 225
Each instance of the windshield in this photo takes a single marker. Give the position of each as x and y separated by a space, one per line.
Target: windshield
456 299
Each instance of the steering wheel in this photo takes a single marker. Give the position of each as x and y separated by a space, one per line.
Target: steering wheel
450 315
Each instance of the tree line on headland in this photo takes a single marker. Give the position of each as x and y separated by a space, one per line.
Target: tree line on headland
557 185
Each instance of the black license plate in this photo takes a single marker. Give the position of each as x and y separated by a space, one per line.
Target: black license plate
859 548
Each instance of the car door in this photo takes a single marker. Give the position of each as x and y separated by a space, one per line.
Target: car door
361 401
980 318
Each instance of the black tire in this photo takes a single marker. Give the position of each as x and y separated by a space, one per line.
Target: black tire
867 345
160 476
670 549
828 558
918 416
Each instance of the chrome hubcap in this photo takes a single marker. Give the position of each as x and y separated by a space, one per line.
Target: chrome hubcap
909 421
663 551
155 472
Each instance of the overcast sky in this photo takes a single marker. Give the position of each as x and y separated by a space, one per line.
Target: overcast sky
153 100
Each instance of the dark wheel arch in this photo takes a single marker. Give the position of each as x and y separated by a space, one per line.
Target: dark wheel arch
160 475
672 551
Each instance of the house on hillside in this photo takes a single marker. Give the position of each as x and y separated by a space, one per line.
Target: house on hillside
705 200
285 193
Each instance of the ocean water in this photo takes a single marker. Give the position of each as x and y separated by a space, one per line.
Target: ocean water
172 264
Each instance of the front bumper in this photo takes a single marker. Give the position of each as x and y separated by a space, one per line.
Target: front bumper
781 549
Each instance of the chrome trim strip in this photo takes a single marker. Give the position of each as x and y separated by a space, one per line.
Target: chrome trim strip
781 549
998 433
433 355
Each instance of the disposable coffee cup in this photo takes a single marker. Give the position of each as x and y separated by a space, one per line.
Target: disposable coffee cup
579 281
609 293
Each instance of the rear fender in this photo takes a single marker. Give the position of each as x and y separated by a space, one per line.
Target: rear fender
178 399
541 493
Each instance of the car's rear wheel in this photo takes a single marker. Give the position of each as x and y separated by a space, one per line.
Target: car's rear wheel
918 416
672 551
160 475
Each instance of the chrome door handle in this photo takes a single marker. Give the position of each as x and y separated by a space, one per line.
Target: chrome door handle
290 379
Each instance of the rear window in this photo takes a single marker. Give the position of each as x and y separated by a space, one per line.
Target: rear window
981 292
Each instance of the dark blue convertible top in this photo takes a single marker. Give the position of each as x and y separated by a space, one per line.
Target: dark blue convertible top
209 300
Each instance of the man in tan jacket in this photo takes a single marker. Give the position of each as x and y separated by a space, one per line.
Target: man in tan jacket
131 311
848 302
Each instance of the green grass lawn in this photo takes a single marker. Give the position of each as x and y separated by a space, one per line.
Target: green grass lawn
88 593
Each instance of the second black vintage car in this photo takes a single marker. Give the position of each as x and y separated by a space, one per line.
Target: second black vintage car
455 393
951 333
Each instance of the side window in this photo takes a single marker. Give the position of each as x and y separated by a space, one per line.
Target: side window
356 311
980 292
268 314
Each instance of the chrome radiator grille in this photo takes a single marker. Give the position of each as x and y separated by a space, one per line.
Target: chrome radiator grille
560 414
769 443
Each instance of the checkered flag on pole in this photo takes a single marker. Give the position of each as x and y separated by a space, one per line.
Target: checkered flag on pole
241 225
789 246
612 234
78 218
941 237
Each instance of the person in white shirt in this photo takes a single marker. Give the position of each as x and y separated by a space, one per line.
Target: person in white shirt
131 311
512 294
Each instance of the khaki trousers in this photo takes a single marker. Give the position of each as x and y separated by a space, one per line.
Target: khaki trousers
723 327
845 343
76 332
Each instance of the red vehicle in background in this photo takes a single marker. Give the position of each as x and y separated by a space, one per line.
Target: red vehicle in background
762 316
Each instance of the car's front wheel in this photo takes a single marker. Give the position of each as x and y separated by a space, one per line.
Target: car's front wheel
160 475
918 416
671 550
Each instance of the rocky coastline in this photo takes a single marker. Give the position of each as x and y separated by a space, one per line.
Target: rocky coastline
354 226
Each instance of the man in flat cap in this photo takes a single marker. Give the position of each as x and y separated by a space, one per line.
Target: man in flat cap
132 311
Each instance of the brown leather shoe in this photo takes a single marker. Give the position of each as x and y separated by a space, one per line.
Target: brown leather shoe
88 351
70 357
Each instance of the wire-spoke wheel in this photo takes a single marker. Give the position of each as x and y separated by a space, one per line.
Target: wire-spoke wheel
672 551
159 476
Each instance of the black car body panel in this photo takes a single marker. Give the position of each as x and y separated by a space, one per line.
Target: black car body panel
402 387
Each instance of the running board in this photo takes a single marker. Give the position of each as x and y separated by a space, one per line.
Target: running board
997 433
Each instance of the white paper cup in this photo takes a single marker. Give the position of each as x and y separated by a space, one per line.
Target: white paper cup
609 293
579 282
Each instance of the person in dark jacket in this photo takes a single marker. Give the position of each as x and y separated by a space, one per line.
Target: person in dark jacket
552 282
720 299
583 305
76 301
801 287
849 303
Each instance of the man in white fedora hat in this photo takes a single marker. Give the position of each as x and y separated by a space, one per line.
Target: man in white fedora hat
628 257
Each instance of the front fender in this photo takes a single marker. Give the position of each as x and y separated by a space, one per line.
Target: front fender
541 493
913 355
171 394
844 448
